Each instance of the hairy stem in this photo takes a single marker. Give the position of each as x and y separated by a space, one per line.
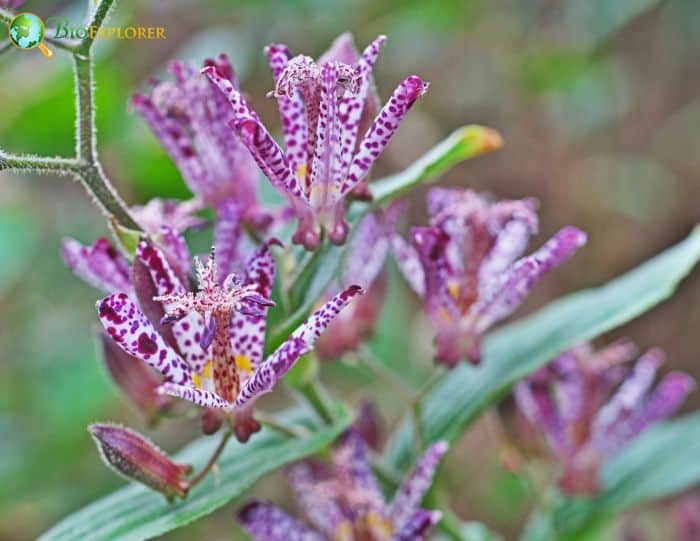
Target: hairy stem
35 164
92 175
212 460
98 18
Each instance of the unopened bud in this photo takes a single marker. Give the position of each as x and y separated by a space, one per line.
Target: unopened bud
131 455
135 379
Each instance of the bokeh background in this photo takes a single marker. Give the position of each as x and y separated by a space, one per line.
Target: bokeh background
599 105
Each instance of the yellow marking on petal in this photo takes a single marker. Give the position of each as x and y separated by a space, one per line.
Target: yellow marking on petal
207 370
243 363
204 374
453 289
343 532
301 171
378 523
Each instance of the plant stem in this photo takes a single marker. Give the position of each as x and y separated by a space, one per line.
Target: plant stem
92 174
367 357
36 164
98 18
212 460
273 423
317 397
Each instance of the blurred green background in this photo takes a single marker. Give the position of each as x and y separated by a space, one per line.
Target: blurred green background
599 105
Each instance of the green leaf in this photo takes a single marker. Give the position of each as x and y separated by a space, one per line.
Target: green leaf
660 462
518 349
464 143
136 512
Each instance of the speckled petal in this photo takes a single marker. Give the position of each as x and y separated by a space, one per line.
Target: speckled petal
367 252
100 265
132 331
227 233
266 522
321 510
200 397
248 332
417 527
298 344
353 469
383 128
409 264
515 284
188 330
326 158
411 492
177 144
352 106
291 109
321 318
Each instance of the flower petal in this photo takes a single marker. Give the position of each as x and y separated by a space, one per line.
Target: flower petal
227 233
291 109
383 128
323 512
514 285
132 331
352 107
266 522
354 471
176 142
188 330
411 492
100 265
298 344
200 397
248 332
265 151
409 264
418 526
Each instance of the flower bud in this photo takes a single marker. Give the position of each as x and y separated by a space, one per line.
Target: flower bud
131 455
135 379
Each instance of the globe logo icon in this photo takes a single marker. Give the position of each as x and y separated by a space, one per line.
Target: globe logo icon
27 32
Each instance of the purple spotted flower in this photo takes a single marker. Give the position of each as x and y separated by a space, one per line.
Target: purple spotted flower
321 105
209 344
467 265
191 119
367 252
342 501
589 406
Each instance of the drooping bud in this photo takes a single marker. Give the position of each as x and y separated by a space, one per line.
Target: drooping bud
135 379
131 455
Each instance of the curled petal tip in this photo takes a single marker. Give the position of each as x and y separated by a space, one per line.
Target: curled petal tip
415 87
574 235
274 241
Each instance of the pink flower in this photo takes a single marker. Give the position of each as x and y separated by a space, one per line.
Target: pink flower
467 265
589 406
321 106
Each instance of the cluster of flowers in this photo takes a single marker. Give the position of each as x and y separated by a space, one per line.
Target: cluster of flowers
167 336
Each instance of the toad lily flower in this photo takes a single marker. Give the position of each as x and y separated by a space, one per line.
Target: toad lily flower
465 266
325 156
190 117
219 331
584 419
343 501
